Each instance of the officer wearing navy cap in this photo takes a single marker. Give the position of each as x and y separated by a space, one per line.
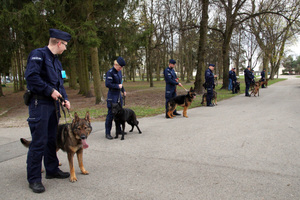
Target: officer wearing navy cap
209 83
114 84
171 83
44 76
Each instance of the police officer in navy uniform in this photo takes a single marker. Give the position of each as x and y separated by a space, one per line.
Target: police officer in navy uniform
44 79
171 83
263 77
233 78
230 79
113 82
209 84
248 79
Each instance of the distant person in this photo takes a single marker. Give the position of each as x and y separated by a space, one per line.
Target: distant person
209 84
248 80
263 77
171 83
113 82
230 79
44 76
233 78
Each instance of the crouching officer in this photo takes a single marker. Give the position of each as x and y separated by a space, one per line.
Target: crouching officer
171 83
210 83
44 79
113 82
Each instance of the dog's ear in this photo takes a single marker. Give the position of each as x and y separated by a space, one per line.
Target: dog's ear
191 89
87 117
76 117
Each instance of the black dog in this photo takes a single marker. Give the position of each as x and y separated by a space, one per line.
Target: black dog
122 115
237 87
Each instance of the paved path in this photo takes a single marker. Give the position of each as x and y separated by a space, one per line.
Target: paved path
250 151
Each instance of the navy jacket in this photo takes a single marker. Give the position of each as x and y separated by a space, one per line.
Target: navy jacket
170 78
209 78
43 73
112 81
230 74
233 76
263 75
248 76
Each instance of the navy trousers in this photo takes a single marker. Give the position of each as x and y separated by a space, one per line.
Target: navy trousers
247 88
112 97
168 96
209 95
43 124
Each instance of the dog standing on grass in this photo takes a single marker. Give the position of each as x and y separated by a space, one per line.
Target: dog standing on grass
182 100
71 138
122 115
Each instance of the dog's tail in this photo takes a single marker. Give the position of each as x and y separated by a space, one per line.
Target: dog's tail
25 142
202 102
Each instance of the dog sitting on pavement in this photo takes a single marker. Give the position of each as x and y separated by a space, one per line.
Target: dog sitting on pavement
122 115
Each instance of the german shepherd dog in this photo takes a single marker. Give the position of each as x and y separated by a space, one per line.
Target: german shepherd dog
71 138
181 100
255 89
213 100
122 115
265 82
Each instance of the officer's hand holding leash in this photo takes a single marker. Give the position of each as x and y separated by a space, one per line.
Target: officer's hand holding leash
55 95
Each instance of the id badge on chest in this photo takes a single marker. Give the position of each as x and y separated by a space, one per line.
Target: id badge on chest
63 74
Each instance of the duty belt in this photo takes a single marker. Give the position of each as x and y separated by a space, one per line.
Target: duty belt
114 90
41 97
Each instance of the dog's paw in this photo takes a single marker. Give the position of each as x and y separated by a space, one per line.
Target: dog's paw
85 172
73 179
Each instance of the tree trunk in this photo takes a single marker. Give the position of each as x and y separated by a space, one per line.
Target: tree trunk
86 80
73 75
96 75
1 91
201 48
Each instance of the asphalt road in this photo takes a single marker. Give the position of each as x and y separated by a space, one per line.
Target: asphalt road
244 148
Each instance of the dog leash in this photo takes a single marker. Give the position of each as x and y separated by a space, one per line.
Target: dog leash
184 88
61 99
123 97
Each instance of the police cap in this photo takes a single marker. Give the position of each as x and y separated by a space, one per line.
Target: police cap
172 61
211 65
121 61
55 33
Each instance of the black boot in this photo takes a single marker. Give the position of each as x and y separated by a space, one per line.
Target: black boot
108 136
37 187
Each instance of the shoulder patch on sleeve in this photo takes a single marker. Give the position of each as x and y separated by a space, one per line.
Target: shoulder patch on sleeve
36 58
